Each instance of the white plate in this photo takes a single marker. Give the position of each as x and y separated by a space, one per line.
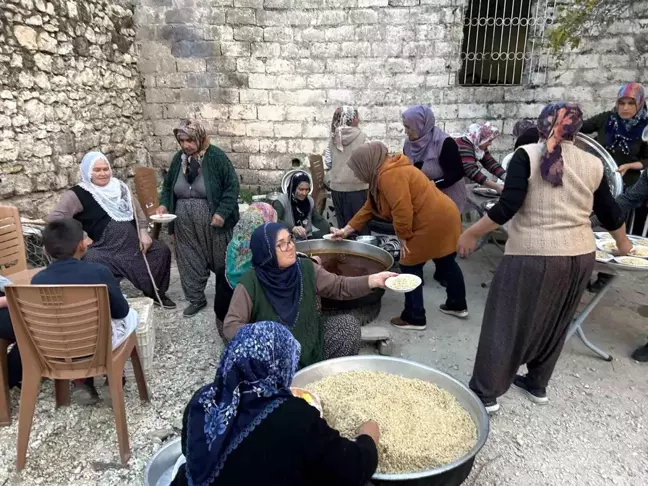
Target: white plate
632 262
601 235
638 240
639 251
328 236
391 282
608 245
163 218
604 257
485 192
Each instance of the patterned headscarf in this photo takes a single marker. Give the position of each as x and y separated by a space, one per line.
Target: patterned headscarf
114 197
558 122
344 116
427 147
480 134
252 380
191 164
622 133
238 259
521 126
365 162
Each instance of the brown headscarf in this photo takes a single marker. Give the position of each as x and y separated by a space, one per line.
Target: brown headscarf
196 132
365 162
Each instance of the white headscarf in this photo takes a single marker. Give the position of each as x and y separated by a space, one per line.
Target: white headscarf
114 197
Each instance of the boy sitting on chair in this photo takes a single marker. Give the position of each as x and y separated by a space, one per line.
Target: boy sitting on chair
64 242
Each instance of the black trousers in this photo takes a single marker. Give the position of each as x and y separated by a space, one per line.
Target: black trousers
13 359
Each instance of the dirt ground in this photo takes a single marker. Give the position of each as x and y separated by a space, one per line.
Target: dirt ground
593 432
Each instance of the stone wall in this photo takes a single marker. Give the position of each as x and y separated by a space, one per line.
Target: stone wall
266 75
68 84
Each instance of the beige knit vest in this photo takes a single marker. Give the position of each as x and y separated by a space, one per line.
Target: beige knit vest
555 221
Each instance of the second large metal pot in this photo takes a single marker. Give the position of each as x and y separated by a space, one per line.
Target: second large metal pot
354 248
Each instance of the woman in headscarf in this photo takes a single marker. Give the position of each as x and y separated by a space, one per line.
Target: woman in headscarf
426 221
246 428
349 194
111 216
434 152
473 148
202 189
296 209
238 259
549 193
282 288
525 133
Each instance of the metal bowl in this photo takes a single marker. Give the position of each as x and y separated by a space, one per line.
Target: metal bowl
285 180
159 469
368 239
609 165
349 247
452 474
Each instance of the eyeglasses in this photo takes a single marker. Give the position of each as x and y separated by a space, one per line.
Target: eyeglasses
285 245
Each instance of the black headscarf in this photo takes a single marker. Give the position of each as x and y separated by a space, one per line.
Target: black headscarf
300 209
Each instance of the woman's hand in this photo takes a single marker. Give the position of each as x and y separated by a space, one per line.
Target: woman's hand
624 245
217 221
299 232
145 241
631 166
499 188
377 280
466 244
404 249
340 234
161 210
372 429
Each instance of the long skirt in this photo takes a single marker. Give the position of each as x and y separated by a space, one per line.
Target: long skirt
347 204
200 248
530 305
119 250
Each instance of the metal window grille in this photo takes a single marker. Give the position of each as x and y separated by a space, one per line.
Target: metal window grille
504 42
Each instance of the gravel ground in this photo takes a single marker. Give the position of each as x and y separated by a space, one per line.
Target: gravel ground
593 432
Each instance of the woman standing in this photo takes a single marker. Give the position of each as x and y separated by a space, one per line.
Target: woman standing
349 194
548 197
434 152
246 428
202 189
285 289
473 148
525 133
296 209
427 223
107 212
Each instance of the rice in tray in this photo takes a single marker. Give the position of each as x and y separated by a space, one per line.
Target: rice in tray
422 427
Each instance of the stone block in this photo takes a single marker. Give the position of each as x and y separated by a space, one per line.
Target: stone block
249 177
308 66
363 16
418 49
191 95
341 96
299 97
248 33
212 16
241 16
321 130
371 33
191 65
248 3
161 95
321 81
26 37
301 113
243 112
278 34
173 80
224 95
264 162
265 81
211 111
278 4
257 96
250 65
163 127
279 66
260 129
301 146
180 16
325 49
232 80
530 110
340 33
373 3
231 128
429 32
309 34
235 49
221 64
430 66
395 16
217 32
263 49
403 3
389 49
287 130
271 145
331 17
295 51
398 33
239 161
202 49
245 145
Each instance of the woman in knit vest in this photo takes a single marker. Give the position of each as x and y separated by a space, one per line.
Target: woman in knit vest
349 194
549 193
202 189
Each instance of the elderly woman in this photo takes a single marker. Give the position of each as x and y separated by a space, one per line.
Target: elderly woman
238 259
434 152
246 428
525 133
549 193
426 221
349 194
285 289
296 209
202 189
118 228
473 148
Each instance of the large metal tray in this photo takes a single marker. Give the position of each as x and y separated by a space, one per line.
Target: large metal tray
609 165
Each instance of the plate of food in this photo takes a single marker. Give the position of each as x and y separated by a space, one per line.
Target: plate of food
311 398
608 246
604 257
485 191
639 251
403 283
629 261
162 218
638 240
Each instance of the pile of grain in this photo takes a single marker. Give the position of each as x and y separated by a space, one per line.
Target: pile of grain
421 426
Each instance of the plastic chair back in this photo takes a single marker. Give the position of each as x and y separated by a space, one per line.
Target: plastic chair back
146 187
13 258
317 174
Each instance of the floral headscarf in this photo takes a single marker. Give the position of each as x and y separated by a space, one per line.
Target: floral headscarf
344 116
252 380
238 258
191 164
480 134
622 133
558 122
114 197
